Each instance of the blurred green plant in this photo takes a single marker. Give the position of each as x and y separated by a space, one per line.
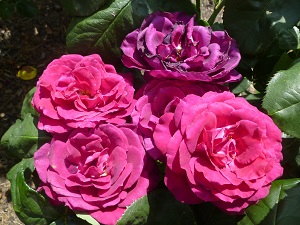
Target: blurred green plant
26 8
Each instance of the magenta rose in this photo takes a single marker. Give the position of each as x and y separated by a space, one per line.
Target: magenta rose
159 97
99 171
219 149
81 91
170 45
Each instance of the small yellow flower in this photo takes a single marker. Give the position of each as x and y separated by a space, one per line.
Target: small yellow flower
27 73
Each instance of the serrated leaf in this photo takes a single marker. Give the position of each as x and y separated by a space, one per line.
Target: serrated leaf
280 207
82 8
256 23
89 219
289 39
283 63
23 138
282 100
20 167
104 31
27 106
159 208
30 206
263 71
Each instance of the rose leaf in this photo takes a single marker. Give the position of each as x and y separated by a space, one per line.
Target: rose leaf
158 207
289 39
23 138
240 87
256 23
104 31
280 207
70 219
30 206
291 157
27 106
282 100
89 219
207 214
81 8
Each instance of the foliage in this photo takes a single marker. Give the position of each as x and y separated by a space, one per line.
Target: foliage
23 7
267 33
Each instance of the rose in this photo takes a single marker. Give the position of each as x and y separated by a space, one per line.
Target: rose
100 171
170 45
220 149
161 96
81 91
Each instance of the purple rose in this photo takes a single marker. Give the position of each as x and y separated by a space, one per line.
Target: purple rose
81 91
170 45
159 97
99 171
219 149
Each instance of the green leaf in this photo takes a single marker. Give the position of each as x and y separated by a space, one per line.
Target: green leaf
241 87
280 207
268 65
30 206
216 2
104 31
23 138
283 63
263 71
289 39
69 219
255 23
291 157
282 100
7 10
27 8
82 8
87 218
27 106
159 208
208 214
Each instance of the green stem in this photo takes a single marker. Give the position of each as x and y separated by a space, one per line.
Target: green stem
216 11
198 7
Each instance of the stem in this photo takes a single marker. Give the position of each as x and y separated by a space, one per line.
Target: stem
198 7
216 11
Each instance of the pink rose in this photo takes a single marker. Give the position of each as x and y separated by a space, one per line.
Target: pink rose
81 91
170 45
159 97
100 171
219 149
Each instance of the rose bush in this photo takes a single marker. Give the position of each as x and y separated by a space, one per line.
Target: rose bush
81 91
170 45
219 149
212 149
98 171
159 97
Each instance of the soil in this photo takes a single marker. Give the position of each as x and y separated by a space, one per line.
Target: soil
24 42
30 42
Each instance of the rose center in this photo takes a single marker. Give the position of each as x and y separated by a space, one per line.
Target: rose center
222 149
85 93
95 165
